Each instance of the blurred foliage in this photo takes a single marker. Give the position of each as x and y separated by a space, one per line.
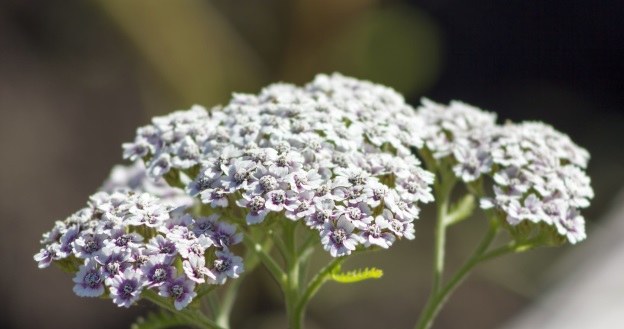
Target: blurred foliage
201 51
189 45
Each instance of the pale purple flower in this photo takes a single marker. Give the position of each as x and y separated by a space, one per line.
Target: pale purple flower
302 206
338 237
113 261
117 255
225 235
216 197
160 165
400 228
256 206
147 212
286 163
126 288
204 181
346 177
89 281
571 225
195 269
187 154
239 175
205 225
350 195
414 185
530 209
46 255
375 193
226 265
278 200
181 290
136 150
265 181
194 247
138 257
55 234
358 214
325 212
513 177
120 240
301 181
377 233
67 241
158 269
403 210
88 245
161 245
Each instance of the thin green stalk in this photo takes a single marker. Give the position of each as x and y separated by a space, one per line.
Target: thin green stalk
438 299
512 248
443 194
205 289
194 318
215 304
227 303
278 274
440 240
312 288
304 265
291 293
281 246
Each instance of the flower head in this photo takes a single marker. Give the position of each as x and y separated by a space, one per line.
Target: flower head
286 149
118 248
537 172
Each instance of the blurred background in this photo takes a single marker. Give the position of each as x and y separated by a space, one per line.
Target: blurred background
77 78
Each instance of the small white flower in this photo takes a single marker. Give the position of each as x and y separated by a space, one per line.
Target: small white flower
226 265
338 238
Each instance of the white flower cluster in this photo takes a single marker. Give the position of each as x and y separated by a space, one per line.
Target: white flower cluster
537 171
336 154
461 131
124 242
134 177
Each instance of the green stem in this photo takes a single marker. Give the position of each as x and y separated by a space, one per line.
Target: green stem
222 316
438 299
227 303
312 288
278 274
443 194
192 317
512 248
291 293
215 305
440 240
204 290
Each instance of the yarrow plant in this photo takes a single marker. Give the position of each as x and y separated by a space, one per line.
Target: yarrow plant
339 164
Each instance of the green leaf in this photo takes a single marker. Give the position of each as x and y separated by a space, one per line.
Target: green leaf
159 320
355 275
461 210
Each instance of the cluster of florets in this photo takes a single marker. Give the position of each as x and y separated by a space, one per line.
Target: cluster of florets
336 154
124 242
134 177
537 172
